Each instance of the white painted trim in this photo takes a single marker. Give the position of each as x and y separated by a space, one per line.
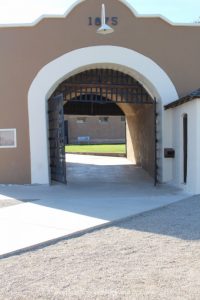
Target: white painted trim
67 12
198 147
142 68
15 138
192 110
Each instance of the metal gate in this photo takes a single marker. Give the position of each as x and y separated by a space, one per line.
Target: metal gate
98 87
56 139
103 85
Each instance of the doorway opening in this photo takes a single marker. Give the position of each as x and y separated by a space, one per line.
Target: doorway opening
185 147
93 127
103 93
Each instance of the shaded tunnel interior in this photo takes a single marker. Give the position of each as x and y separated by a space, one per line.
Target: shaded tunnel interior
87 107
109 92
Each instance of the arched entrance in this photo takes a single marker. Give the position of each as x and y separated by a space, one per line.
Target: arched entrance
106 87
143 69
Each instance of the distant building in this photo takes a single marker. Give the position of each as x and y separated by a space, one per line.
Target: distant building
95 129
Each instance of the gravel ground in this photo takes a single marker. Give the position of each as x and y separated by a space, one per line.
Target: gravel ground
155 255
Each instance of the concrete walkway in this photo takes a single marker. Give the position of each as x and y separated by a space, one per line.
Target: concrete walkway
99 190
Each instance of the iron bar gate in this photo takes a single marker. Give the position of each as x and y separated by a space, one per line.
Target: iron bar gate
57 139
96 86
103 85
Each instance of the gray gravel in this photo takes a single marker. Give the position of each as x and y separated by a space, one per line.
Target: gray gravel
155 255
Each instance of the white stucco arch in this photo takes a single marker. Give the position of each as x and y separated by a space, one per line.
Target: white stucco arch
142 68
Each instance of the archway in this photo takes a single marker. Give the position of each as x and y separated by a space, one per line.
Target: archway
143 69
107 87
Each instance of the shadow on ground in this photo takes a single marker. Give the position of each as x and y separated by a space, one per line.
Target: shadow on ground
180 220
109 193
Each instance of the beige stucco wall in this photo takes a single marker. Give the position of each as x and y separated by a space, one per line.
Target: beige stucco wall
140 137
25 50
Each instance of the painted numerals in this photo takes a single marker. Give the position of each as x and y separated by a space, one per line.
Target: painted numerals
97 21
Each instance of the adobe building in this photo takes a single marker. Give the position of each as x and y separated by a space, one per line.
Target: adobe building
147 67
97 130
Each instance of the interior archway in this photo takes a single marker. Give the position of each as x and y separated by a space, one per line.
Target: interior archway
117 92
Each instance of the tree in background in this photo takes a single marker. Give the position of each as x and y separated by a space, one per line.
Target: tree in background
197 21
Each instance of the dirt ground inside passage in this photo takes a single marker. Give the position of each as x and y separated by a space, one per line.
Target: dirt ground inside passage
155 255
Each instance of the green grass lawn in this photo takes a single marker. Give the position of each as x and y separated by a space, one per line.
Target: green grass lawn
119 148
